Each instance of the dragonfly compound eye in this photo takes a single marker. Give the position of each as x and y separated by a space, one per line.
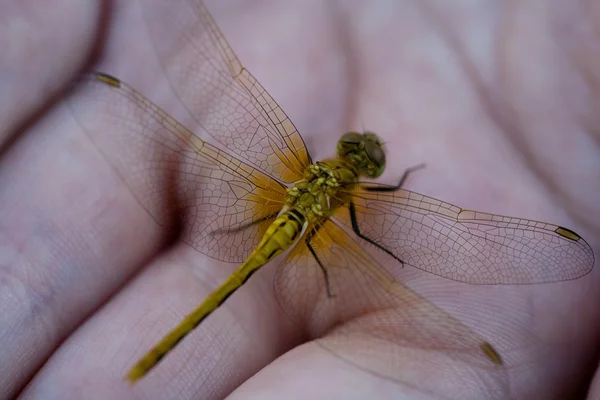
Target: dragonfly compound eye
349 143
376 153
352 138
364 151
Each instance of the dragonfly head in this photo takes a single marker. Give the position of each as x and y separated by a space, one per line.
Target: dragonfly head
365 151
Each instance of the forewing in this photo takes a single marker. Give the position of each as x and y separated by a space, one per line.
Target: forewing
173 173
222 96
376 323
468 246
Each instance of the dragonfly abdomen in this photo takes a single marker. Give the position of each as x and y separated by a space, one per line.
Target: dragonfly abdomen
281 235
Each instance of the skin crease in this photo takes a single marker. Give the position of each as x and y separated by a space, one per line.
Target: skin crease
500 101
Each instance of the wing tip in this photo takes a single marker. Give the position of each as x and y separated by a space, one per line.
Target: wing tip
491 353
107 79
567 233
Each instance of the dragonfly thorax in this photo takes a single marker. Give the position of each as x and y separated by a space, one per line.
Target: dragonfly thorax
317 194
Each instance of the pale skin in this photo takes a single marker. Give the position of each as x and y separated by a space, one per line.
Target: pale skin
504 112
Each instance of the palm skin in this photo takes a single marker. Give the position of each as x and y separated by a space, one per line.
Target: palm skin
499 101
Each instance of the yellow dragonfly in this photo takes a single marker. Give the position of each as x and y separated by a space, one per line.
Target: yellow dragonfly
256 193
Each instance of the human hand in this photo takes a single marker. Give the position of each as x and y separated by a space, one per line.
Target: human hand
492 118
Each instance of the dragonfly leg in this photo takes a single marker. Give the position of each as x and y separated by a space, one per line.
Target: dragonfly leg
356 230
243 226
309 237
405 175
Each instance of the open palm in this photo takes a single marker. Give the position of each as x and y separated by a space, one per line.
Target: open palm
501 103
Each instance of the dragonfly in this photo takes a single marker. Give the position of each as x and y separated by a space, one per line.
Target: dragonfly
249 192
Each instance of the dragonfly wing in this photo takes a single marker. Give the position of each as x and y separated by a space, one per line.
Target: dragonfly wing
224 99
376 323
172 172
465 245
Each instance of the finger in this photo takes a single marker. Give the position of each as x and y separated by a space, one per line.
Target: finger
594 389
313 373
70 233
42 44
66 220
230 345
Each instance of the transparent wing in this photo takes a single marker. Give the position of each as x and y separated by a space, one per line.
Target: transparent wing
468 246
376 323
174 174
222 96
